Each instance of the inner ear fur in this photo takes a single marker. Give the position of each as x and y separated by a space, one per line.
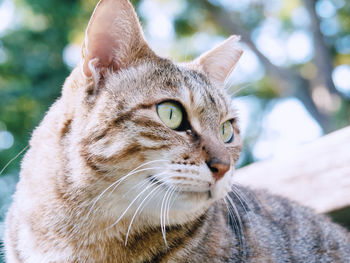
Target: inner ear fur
113 38
219 62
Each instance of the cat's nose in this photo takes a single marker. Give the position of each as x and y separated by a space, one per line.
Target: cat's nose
216 156
218 168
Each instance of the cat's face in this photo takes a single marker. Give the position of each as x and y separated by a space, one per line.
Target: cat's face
127 129
156 137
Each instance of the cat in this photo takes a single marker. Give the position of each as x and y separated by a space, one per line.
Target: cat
135 163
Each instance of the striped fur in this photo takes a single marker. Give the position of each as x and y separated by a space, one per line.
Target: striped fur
106 181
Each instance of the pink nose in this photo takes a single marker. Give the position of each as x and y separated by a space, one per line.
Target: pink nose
218 168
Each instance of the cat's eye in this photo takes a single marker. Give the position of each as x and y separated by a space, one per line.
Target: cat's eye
171 114
226 132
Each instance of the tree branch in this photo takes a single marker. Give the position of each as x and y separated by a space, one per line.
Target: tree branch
289 81
298 177
322 58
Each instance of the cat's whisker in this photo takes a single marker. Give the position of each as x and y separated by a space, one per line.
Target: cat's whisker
123 178
99 196
244 202
234 209
132 173
164 211
235 92
162 215
142 165
240 196
244 198
229 212
13 159
177 193
169 203
149 162
162 181
139 185
237 219
232 215
237 227
138 208
132 202
144 205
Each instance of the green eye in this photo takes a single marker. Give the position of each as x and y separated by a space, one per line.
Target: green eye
171 114
226 132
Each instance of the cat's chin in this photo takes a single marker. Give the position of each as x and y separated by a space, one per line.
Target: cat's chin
159 200
192 204
189 206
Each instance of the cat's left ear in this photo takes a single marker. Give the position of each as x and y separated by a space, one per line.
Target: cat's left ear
219 62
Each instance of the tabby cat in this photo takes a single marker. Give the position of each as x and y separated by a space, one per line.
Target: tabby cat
135 163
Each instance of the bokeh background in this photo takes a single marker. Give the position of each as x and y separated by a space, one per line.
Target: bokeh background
291 86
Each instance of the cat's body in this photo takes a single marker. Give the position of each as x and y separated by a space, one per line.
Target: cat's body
110 177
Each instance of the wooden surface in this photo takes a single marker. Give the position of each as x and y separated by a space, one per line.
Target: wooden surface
316 175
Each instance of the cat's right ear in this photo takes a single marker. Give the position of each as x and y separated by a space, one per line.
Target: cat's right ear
220 61
113 38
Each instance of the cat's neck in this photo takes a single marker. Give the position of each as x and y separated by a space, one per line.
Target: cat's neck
176 242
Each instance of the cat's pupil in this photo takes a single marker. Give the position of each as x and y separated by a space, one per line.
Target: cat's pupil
171 113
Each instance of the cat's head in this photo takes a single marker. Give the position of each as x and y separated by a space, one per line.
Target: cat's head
150 135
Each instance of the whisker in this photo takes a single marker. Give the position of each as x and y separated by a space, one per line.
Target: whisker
243 201
137 186
244 198
144 205
123 178
236 213
237 219
138 208
231 214
162 181
233 93
14 158
169 202
132 173
177 193
132 202
142 165
162 215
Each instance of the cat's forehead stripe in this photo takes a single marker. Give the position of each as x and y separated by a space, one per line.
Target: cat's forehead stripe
205 94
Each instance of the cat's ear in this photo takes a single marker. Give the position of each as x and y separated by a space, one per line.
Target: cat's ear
219 62
113 38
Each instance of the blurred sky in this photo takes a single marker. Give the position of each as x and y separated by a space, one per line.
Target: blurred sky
287 124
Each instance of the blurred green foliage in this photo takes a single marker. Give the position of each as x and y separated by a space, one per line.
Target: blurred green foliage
33 69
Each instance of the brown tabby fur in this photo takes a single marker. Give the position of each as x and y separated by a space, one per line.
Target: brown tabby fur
106 124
